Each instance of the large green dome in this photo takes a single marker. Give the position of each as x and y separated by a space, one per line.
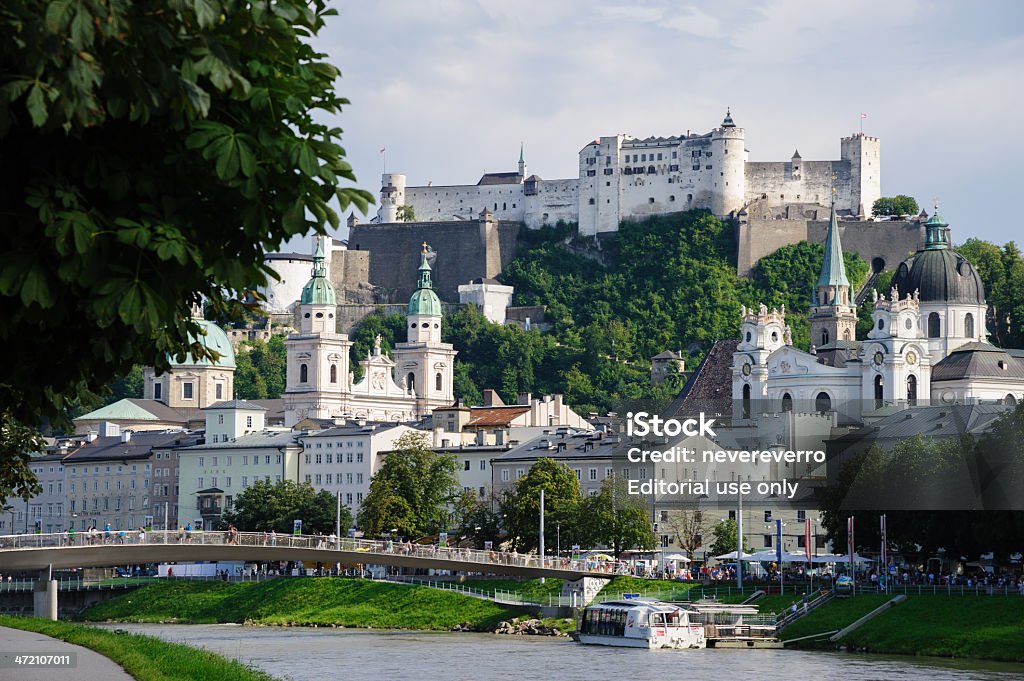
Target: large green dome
216 340
318 290
423 300
939 273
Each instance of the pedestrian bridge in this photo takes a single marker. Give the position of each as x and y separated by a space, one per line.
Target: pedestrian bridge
61 551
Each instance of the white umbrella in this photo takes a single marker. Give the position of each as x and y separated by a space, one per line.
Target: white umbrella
678 557
732 556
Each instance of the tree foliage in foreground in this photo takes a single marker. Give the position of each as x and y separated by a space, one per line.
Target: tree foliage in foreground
150 154
410 492
266 506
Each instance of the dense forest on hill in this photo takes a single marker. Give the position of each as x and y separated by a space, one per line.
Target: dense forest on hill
666 283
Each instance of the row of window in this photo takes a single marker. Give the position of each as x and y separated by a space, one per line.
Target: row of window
74 470
214 480
106 485
188 390
319 458
347 445
318 479
75 508
215 460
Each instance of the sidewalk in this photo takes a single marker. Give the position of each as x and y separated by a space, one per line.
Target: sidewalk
90 666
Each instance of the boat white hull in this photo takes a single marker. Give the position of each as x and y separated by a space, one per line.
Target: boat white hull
631 642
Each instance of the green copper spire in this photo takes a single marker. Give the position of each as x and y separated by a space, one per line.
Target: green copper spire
423 300
318 290
936 236
833 269
521 159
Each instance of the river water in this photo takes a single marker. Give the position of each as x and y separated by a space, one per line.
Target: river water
301 654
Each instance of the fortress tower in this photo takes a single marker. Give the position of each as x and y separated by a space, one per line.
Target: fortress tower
727 146
392 195
864 155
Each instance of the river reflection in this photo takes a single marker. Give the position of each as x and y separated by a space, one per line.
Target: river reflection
368 655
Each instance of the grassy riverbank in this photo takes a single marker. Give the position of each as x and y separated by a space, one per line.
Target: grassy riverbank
307 601
144 657
979 627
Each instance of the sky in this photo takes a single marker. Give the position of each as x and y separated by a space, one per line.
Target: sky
451 88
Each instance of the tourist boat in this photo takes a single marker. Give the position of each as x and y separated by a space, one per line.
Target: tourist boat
639 624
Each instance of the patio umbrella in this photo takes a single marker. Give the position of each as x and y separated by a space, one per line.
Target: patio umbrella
678 557
732 556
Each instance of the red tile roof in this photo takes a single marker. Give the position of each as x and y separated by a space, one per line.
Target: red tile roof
495 416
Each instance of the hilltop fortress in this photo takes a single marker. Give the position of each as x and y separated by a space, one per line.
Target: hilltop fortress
622 177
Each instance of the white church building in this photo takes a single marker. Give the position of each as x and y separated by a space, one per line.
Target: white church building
320 383
927 344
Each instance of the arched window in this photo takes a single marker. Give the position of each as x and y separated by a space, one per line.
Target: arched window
879 391
303 373
846 335
746 400
969 325
824 337
438 381
334 373
822 402
787 402
933 325
1010 400
410 381
912 390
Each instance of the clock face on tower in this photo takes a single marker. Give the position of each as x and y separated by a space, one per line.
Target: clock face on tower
746 368
879 358
911 357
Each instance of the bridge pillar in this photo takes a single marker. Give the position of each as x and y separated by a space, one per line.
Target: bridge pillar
44 596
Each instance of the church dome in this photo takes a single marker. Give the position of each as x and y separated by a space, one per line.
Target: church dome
216 340
423 300
939 273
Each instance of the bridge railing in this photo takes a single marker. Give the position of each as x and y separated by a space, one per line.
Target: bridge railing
370 547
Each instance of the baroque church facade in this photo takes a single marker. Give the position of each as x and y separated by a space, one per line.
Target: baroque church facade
320 383
927 344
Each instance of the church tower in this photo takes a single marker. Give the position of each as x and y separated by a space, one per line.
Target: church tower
522 163
318 356
833 315
425 365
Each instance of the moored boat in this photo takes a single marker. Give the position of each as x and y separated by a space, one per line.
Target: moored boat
639 624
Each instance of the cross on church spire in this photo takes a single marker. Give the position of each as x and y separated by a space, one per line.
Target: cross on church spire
424 248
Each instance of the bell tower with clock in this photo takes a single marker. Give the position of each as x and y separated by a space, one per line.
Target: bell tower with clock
896 365
762 332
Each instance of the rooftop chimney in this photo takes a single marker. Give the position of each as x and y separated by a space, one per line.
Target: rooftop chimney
126 435
492 399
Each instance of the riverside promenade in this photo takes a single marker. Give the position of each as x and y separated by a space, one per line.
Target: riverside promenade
88 665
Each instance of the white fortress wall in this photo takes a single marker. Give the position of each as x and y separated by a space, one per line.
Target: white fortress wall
438 204
554 200
777 183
